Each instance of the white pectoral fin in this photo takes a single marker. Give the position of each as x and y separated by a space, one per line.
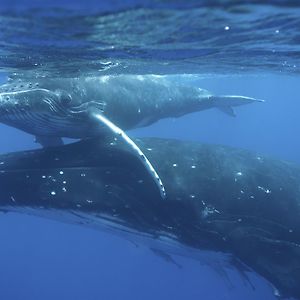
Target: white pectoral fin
49 141
121 134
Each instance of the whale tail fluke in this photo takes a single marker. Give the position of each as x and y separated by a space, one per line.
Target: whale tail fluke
225 103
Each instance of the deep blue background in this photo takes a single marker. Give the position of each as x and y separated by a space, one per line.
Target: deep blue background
42 259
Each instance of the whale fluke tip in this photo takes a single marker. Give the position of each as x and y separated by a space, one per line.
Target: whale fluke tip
234 100
225 103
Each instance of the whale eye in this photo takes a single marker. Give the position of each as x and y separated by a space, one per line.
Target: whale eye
65 98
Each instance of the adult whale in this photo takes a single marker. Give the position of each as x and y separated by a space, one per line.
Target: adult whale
218 198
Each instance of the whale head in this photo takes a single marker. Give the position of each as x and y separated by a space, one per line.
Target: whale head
37 111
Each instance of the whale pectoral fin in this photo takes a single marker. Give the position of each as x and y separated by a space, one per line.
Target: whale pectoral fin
228 110
118 133
49 141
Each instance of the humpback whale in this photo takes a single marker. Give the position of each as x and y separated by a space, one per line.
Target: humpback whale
218 198
55 108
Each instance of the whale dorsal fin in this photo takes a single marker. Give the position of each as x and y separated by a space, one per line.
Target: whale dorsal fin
118 133
228 110
49 141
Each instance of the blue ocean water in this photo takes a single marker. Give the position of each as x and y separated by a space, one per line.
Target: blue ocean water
232 47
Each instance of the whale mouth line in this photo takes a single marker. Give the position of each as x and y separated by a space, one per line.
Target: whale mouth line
38 123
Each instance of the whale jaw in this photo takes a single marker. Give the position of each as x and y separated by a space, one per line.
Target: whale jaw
39 112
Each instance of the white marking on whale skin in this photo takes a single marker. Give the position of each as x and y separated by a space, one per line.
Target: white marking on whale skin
140 77
104 79
267 191
138 151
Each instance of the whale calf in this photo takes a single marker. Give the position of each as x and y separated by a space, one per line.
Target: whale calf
218 198
54 108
